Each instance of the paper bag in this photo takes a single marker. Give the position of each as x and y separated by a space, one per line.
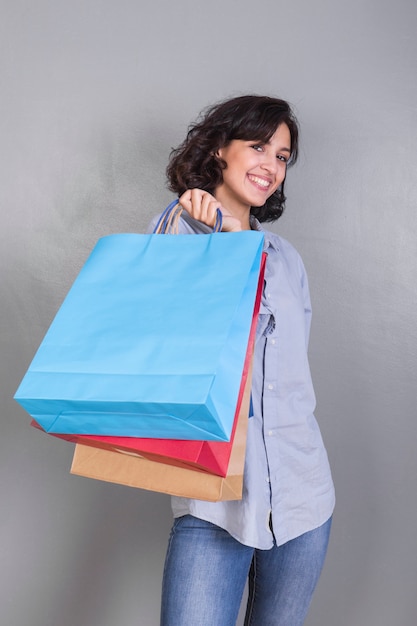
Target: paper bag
209 456
151 339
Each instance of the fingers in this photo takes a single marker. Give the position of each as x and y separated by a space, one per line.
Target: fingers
201 205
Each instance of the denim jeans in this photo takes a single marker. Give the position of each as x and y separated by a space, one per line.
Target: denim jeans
206 571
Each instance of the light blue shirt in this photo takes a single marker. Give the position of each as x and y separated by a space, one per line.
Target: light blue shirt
287 478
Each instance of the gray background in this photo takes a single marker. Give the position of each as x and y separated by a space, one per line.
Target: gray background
93 95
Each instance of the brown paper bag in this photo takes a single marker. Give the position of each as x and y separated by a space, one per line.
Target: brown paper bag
136 471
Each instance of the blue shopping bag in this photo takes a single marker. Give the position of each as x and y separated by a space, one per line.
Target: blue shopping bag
150 340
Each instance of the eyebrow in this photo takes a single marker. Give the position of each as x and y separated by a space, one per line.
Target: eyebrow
284 149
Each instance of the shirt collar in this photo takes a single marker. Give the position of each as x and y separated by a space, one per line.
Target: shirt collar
270 239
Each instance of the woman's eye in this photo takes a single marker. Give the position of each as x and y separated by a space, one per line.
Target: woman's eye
282 158
258 147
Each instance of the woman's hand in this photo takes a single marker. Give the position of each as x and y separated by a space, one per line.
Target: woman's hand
202 206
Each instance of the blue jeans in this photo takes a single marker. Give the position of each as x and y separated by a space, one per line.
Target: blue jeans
206 571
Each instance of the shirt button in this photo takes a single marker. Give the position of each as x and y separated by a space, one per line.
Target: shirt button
268 295
270 387
273 341
267 479
270 433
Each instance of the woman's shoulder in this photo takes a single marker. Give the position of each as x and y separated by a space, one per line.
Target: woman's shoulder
282 252
281 244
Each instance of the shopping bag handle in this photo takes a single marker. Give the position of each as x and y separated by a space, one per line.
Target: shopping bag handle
168 221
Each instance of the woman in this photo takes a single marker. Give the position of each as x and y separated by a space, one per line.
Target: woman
235 159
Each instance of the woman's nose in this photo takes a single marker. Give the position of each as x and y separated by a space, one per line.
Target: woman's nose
269 162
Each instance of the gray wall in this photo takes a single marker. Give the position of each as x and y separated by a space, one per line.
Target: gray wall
93 95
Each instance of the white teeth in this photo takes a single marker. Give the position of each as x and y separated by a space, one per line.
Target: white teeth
260 181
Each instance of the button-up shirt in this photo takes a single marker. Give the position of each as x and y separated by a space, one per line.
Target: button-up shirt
288 488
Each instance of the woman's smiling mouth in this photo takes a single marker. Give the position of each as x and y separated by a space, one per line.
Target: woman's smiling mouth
259 182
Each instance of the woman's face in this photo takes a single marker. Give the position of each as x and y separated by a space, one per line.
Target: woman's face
254 170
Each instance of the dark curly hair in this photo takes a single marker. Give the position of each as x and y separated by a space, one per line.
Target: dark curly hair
195 163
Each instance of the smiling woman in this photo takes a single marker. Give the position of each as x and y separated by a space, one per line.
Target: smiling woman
235 159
